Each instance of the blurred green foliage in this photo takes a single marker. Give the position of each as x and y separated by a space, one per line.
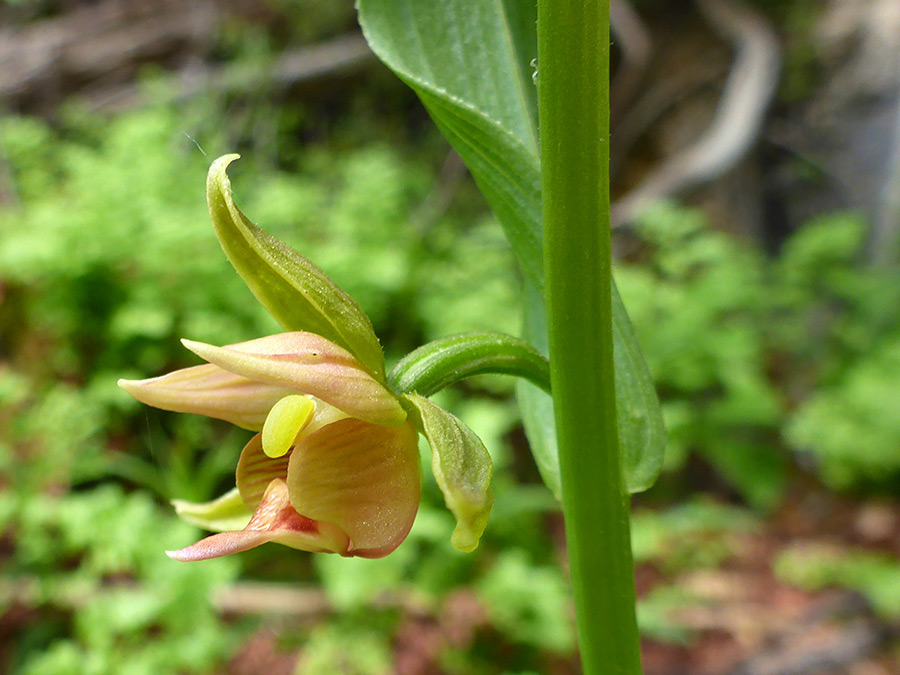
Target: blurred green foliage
765 367
89 564
695 534
876 576
760 362
106 259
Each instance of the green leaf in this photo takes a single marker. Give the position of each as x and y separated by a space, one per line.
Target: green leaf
469 63
461 59
461 465
642 434
295 292
225 514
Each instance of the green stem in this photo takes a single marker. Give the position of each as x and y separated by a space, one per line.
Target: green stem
439 364
573 93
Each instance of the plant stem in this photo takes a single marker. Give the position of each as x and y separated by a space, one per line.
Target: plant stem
573 67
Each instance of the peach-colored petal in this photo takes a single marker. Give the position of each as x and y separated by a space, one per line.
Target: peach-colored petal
274 521
361 477
312 365
256 470
211 391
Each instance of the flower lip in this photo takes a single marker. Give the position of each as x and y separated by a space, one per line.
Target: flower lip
274 520
256 470
363 478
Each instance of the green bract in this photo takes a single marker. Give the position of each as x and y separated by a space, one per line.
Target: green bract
294 291
228 512
432 367
461 466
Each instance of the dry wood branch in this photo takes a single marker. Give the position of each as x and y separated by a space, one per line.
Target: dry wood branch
738 118
833 652
337 57
633 38
96 52
97 42
885 236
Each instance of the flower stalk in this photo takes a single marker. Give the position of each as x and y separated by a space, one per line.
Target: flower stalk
443 362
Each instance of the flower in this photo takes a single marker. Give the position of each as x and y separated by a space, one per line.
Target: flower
334 466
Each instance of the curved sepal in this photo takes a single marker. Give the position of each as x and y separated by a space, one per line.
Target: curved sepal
209 390
363 478
295 292
309 364
274 521
462 468
228 512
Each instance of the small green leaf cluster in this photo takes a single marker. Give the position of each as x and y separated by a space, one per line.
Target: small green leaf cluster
84 558
759 358
344 647
691 535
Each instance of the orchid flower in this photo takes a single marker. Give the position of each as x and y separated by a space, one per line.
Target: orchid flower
334 465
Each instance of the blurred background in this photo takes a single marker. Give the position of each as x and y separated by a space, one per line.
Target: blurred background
756 168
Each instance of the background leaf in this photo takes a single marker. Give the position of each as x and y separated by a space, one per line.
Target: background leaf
469 63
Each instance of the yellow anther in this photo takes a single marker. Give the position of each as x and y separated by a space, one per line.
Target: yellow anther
285 421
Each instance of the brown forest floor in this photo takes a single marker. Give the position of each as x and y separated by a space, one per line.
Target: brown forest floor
743 620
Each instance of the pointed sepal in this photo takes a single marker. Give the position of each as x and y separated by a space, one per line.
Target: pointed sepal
310 364
228 512
295 292
462 468
209 390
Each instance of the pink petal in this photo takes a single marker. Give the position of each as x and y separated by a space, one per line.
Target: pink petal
274 521
312 365
209 390
255 469
361 477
